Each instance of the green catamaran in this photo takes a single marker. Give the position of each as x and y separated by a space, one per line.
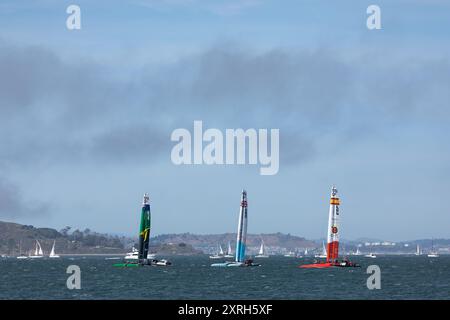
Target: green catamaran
144 239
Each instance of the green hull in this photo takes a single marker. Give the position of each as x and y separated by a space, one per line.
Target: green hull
127 265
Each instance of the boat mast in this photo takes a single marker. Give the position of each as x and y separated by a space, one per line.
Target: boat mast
333 221
242 229
144 229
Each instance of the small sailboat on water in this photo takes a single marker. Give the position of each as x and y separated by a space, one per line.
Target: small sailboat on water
229 252
38 253
433 253
262 253
418 252
323 254
21 256
219 254
52 252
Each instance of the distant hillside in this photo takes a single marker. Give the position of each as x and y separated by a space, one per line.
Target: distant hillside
209 243
17 238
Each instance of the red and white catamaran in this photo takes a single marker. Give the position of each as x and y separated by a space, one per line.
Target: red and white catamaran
333 238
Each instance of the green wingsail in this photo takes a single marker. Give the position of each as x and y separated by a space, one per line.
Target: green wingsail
144 229
144 236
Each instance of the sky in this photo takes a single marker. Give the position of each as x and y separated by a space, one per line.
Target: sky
86 115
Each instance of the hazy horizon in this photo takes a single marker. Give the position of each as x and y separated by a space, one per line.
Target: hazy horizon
86 115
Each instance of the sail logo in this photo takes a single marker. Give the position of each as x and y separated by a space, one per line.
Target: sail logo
238 146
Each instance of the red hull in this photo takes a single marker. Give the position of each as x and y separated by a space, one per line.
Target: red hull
317 265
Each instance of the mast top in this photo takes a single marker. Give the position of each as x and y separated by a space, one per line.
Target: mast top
334 191
146 199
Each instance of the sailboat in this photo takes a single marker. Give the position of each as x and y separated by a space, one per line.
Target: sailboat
241 240
21 255
52 253
143 257
418 252
333 238
322 255
370 255
433 253
261 253
38 253
219 253
357 253
229 252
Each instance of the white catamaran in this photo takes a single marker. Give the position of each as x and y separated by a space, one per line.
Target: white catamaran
261 253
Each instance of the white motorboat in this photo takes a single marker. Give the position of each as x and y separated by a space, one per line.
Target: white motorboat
134 255
290 254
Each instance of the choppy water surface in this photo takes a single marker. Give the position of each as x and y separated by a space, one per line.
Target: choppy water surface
193 278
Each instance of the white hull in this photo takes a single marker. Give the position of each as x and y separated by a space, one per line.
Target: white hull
433 255
22 257
35 257
215 257
161 263
261 256
321 256
370 256
54 256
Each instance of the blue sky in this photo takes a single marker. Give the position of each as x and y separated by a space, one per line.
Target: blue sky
86 115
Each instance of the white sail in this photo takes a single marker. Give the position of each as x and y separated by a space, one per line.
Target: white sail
52 253
220 250
229 248
324 250
261 249
36 250
40 253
